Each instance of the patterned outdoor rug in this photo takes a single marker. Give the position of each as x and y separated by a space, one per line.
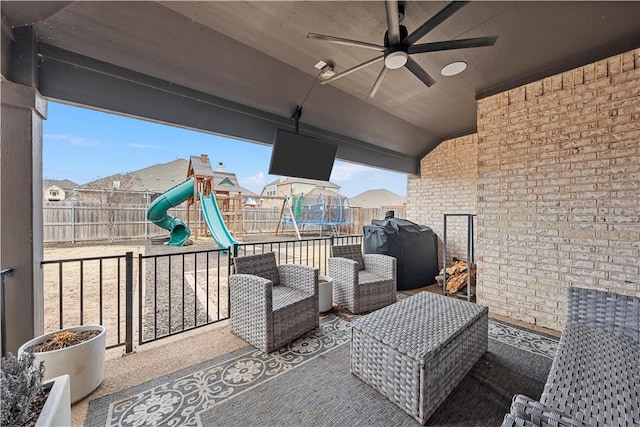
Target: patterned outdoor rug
185 397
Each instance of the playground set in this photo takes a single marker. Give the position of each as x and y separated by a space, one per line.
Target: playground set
215 211
199 193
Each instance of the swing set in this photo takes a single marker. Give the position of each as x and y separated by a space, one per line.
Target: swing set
315 210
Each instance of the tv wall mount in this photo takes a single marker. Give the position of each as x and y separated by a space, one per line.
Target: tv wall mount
296 118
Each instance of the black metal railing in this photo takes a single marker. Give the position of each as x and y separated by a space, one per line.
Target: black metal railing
176 292
181 291
98 288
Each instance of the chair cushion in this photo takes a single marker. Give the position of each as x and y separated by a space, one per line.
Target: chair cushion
353 252
263 265
365 277
594 376
284 296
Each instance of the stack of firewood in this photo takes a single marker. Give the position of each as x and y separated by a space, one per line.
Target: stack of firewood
457 275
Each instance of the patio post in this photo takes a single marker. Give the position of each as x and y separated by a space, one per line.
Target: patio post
23 109
129 301
21 246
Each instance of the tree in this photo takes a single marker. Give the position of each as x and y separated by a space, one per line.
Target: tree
110 195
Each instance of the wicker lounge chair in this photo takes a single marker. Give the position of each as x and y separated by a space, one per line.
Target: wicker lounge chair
362 282
272 305
594 378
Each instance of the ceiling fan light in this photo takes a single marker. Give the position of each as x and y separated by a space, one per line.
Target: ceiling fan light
395 60
454 68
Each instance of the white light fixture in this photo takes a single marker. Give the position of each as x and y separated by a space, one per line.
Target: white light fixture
454 68
395 60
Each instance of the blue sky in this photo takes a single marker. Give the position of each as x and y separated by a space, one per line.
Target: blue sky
83 145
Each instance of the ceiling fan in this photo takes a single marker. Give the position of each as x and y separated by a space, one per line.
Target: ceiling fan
399 44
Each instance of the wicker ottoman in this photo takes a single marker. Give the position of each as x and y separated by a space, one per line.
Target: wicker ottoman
416 351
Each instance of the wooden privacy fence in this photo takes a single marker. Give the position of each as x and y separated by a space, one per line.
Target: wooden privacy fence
81 222
364 216
67 222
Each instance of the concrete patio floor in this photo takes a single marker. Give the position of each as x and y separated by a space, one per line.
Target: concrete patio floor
189 348
159 358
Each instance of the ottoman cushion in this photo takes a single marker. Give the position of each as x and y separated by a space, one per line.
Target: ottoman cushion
416 351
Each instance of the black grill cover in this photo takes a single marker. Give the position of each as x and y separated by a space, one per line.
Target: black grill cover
414 246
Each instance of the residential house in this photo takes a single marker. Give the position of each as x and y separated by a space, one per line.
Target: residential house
56 190
148 183
227 182
380 198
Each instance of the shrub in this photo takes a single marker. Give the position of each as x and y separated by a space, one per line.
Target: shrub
21 383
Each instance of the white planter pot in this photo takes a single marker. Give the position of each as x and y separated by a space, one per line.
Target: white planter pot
325 294
83 362
57 408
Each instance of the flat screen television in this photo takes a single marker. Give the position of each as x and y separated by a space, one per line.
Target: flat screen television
301 156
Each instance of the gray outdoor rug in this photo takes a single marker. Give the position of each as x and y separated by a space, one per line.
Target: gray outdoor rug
308 383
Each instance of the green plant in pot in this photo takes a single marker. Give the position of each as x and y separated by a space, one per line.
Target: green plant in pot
27 400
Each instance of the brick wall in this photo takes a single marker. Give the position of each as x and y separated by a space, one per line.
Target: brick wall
447 184
558 189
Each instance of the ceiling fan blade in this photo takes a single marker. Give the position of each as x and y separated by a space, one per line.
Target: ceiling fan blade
436 20
353 69
393 22
346 42
378 82
419 72
452 44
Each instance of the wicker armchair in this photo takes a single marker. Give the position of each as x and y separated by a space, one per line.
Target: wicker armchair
272 305
362 282
594 376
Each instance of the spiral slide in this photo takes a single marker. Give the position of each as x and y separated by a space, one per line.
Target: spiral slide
157 213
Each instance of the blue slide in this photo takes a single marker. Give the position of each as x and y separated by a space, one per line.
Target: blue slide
215 223
157 213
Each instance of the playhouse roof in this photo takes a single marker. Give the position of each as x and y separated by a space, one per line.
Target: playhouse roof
200 165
